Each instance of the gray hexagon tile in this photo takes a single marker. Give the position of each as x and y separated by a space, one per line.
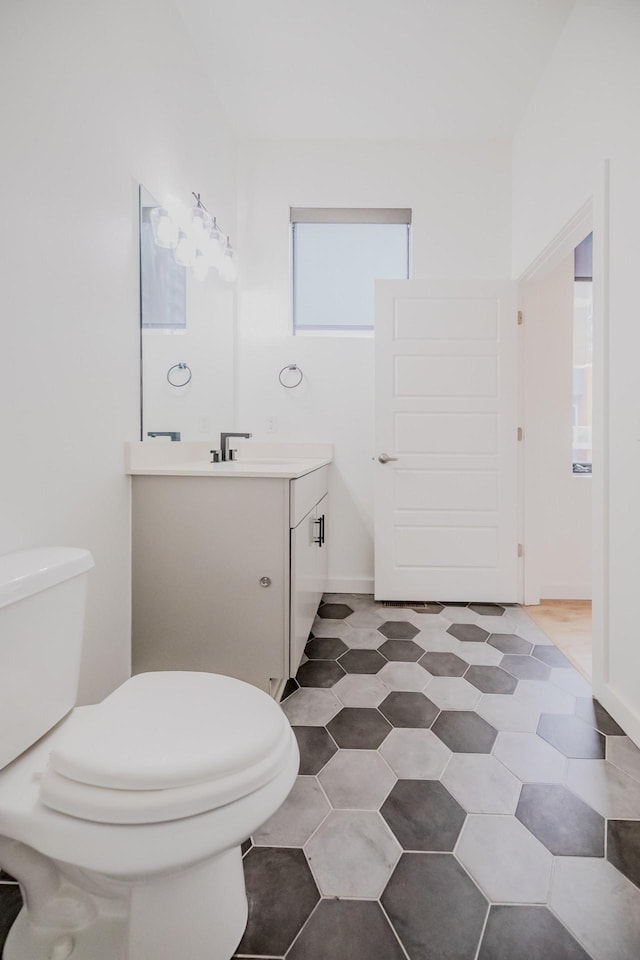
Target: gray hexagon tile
598 905
487 609
508 713
550 655
527 931
319 673
398 630
429 609
418 901
361 690
491 679
423 815
364 618
510 643
605 787
452 693
357 929
463 731
357 779
359 728
325 648
334 611
311 707
566 825
316 748
468 632
531 759
403 650
361 661
436 641
623 848
481 784
415 754
525 668
293 823
479 653
282 894
571 736
330 628
352 854
443 664
624 753
405 676
595 714
407 709
494 848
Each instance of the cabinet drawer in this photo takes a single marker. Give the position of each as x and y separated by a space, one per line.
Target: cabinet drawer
305 493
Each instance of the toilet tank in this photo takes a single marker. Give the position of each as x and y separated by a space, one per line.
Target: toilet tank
42 602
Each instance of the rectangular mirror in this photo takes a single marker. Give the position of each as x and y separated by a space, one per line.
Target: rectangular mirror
186 344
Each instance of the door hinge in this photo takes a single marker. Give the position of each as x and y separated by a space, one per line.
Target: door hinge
520 433
520 318
520 550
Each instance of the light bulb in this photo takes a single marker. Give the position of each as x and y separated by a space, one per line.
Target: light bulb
179 213
228 266
185 252
165 230
218 245
199 227
200 267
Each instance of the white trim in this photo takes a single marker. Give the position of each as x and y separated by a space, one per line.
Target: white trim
344 585
565 591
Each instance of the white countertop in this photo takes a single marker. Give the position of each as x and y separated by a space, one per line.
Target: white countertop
270 460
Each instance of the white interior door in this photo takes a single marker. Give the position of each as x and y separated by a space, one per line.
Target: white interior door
446 518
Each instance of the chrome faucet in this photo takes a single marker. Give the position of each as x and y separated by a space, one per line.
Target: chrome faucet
224 445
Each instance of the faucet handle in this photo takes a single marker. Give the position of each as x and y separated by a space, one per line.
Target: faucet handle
215 456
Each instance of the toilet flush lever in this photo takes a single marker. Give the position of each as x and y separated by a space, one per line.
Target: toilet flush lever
385 458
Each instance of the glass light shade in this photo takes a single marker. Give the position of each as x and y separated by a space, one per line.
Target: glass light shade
179 213
218 245
199 227
165 230
228 265
200 267
185 252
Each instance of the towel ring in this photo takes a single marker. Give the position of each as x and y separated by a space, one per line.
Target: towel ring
179 366
291 386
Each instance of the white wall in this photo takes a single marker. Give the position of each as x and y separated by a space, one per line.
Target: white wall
95 98
586 109
557 502
460 197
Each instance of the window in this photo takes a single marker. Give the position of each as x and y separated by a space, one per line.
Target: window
582 356
338 254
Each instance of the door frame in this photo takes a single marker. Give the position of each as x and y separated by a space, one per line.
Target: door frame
593 215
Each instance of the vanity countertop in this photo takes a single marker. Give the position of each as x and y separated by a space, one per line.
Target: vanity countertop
284 461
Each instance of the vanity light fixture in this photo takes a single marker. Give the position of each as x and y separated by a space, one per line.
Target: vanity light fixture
195 238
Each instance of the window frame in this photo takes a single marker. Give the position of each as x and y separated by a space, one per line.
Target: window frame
338 215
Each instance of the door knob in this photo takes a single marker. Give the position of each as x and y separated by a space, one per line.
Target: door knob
385 458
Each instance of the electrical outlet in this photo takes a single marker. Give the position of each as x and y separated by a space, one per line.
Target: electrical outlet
272 424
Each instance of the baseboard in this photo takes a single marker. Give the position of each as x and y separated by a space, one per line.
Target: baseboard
340 585
620 710
566 591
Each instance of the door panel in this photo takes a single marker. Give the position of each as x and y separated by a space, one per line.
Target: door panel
446 402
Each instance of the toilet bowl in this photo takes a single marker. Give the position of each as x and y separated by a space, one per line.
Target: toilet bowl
123 821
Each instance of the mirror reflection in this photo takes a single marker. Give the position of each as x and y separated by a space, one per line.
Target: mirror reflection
186 349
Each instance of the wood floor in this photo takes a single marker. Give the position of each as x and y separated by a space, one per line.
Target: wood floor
568 624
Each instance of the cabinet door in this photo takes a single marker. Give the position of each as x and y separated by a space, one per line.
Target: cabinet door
322 558
305 549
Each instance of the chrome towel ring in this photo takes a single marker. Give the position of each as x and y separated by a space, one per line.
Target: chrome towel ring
179 366
296 368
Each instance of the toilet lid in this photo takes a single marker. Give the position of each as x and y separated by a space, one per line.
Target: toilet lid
170 729
165 746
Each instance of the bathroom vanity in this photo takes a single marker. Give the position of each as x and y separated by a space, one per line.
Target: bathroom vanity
229 559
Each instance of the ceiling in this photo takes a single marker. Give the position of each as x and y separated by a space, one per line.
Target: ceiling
409 69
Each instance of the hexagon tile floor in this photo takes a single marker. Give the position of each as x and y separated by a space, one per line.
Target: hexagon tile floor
460 797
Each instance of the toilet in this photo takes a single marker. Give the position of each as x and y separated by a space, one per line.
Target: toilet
123 820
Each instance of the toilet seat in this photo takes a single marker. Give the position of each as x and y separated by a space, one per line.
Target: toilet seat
165 746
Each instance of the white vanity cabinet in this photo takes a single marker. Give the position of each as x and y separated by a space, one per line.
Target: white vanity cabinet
228 573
